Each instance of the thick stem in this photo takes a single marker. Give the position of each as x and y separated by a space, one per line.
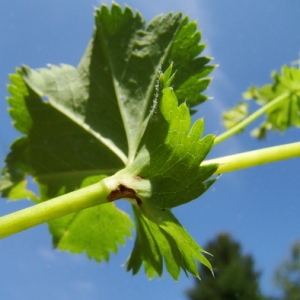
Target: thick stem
57 207
250 119
254 158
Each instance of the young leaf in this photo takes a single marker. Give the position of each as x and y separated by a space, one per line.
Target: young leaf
286 112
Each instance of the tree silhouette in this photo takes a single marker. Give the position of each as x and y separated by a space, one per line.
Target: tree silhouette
235 277
287 275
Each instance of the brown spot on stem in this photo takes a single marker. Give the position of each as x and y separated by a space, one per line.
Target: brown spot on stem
123 192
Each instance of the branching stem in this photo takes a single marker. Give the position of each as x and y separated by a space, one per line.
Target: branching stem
98 193
251 118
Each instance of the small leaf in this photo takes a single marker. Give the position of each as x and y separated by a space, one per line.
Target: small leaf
235 115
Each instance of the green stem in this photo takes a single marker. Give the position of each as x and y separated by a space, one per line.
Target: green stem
254 158
237 128
98 193
57 207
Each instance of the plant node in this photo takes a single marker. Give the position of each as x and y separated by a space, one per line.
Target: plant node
123 192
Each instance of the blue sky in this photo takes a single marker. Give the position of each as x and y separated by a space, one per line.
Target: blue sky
259 206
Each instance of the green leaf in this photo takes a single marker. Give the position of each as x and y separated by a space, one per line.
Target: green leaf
171 152
58 108
191 81
168 165
96 230
160 237
56 151
115 113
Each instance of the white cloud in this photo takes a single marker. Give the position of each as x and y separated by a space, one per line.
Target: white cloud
84 286
47 254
